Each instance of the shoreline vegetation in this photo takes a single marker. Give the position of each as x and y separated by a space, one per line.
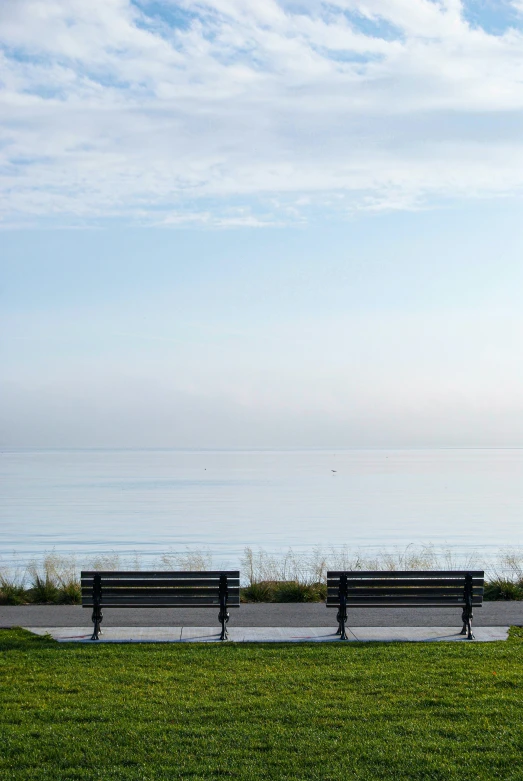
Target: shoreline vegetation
288 577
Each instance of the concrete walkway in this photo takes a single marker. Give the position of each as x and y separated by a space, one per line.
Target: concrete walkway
262 615
191 634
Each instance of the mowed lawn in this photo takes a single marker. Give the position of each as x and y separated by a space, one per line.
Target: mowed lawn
304 711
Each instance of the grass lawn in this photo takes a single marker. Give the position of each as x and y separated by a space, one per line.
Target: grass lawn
304 711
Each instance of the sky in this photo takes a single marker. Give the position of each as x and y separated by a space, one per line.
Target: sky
232 223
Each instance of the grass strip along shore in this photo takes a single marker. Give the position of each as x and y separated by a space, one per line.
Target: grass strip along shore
329 712
289 577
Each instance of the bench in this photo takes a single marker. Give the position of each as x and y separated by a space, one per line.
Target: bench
160 589
443 588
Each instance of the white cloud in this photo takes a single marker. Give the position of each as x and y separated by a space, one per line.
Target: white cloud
112 110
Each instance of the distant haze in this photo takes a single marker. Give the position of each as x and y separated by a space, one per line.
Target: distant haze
319 337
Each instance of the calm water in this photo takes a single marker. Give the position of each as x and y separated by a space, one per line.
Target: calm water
155 501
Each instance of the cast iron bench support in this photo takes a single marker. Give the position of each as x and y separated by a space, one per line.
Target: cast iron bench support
113 589
223 615
467 614
442 588
341 617
97 616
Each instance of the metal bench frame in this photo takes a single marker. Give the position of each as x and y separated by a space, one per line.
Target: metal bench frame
442 588
160 589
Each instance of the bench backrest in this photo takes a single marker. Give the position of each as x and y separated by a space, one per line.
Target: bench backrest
441 588
161 589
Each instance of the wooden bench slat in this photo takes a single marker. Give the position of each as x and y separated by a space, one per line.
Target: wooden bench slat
162 605
404 591
393 588
409 603
169 589
368 602
160 583
181 574
354 582
405 573
162 592
158 598
159 602
386 598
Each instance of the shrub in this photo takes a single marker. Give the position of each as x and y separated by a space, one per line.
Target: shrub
12 585
54 580
43 591
283 591
503 589
70 594
259 592
12 593
292 591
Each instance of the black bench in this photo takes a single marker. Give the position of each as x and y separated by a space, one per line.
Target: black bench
443 588
160 589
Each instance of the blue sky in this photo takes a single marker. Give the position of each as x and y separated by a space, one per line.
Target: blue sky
240 113
231 223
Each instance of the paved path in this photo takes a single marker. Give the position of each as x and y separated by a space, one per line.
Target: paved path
268 634
261 615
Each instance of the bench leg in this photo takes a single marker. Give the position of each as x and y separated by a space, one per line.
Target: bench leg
341 618
467 616
97 619
223 618
466 629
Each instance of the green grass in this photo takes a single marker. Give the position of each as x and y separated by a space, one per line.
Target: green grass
333 711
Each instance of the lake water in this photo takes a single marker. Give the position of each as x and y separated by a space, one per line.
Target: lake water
150 502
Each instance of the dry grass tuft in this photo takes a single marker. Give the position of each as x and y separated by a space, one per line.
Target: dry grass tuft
267 577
